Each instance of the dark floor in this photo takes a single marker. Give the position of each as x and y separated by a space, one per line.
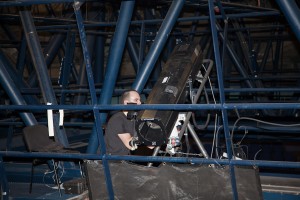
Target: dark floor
41 191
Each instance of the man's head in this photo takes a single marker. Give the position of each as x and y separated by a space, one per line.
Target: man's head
131 96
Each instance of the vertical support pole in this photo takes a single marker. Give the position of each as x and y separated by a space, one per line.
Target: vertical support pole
89 72
41 70
80 99
158 44
222 94
141 47
114 61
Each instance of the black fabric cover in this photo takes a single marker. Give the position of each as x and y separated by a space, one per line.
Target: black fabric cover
171 181
37 139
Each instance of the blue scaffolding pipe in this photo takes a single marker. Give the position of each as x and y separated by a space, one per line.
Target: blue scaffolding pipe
41 70
116 51
133 53
32 2
158 45
198 18
21 56
141 47
240 68
266 13
56 28
213 24
90 41
291 127
189 160
49 54
15 95
182 107
54 45
63 29
88 67
240 127
17 78
268 48
292 13
113 65
50 51
37 57
97 127
80 99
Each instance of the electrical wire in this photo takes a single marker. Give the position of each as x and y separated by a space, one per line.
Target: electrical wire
257 120
46 173
260 121
257 154
53 176
216 116
246 132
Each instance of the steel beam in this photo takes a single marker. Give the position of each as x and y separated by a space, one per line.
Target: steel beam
292 13
113 65
41 70
16 76
158 45
14 94
219 66
97 131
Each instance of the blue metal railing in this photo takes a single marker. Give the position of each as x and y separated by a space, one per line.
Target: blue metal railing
107 90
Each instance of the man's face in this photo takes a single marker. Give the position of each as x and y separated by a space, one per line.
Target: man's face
134 97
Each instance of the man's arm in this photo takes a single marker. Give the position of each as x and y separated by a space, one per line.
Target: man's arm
126 138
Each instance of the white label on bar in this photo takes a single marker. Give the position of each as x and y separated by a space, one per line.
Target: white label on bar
61 117
50 121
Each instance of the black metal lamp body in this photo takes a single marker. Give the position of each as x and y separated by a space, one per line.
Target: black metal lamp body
154 126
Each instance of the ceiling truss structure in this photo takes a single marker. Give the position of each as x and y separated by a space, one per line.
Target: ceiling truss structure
79 56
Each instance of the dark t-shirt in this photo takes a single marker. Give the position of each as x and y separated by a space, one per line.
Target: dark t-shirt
117 124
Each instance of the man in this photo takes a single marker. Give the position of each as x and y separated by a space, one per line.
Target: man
120 130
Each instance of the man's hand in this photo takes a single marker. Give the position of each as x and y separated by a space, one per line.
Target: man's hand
133 143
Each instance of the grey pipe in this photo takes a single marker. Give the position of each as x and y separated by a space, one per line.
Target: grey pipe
197 140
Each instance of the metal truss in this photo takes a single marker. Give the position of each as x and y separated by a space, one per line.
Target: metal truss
79 56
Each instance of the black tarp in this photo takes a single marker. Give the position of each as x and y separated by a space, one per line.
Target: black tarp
172 181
